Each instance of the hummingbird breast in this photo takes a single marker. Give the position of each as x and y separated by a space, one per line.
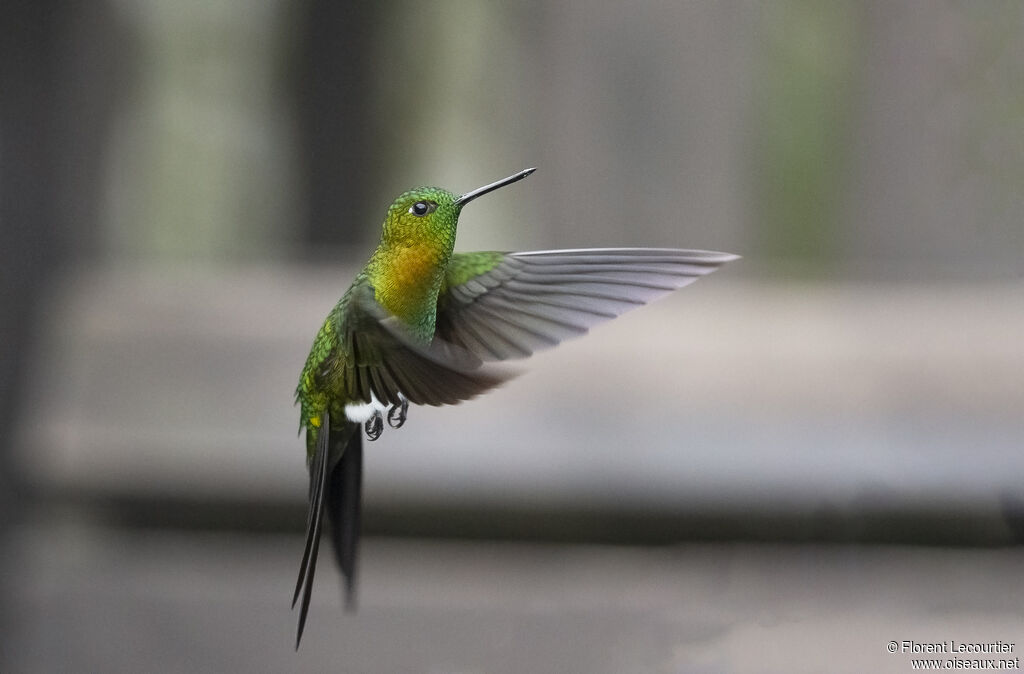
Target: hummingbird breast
406 281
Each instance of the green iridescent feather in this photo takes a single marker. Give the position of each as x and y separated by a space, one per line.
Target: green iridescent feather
418 324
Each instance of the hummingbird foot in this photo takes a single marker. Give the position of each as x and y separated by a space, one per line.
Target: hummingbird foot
374 426
398 413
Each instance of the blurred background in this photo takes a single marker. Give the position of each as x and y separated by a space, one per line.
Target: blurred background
812 452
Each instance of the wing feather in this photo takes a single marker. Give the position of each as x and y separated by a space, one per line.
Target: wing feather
534 300
384 362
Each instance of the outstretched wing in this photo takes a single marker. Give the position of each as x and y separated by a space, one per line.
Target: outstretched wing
507 305
380 359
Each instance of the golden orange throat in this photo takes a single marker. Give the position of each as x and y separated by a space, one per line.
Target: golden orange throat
408 278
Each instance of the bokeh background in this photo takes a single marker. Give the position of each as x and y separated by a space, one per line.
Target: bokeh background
813 452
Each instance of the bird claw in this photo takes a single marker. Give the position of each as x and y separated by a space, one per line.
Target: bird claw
398 414
374 426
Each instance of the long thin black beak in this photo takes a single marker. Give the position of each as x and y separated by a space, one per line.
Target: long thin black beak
469 196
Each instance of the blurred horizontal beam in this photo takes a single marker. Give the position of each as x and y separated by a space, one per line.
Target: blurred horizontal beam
834 409
942 525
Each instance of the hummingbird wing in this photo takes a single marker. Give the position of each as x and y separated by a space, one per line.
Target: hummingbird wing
382 360
507 305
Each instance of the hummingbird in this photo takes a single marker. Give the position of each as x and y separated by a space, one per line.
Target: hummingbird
424 325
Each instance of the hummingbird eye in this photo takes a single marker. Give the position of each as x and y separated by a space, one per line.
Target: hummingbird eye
421 208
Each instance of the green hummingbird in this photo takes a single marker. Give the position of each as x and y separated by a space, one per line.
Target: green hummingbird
421 324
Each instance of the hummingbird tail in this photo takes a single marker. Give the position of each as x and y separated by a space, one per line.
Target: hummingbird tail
344 497
317 484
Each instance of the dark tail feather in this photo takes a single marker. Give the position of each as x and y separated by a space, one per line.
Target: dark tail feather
317 485
344 496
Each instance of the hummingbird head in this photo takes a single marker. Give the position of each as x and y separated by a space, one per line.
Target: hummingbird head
407 269
432 213
420 215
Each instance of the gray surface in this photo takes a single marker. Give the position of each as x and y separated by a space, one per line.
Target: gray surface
727 396
126 601
174 388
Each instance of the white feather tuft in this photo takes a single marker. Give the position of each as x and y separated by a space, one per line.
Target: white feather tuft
361 412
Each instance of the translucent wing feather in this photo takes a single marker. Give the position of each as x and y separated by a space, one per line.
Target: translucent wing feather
381 360
531 301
